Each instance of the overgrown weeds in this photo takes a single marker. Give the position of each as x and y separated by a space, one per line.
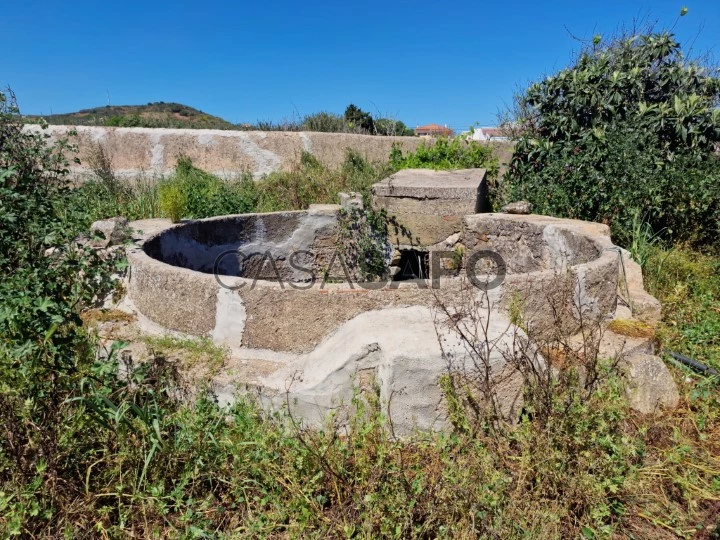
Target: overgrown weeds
688 284
95 446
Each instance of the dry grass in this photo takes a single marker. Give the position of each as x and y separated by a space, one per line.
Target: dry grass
632 328
99 316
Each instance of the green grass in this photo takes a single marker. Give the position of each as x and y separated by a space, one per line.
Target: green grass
135 460
687 282
193 350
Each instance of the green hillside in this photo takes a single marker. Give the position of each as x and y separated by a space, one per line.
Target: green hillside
160 114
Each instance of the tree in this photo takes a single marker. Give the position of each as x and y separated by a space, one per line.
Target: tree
388 126
359 120
626 133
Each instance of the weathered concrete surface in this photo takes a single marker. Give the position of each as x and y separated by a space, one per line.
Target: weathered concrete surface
631 288
548 260
401 362
428 206
272 246
559 271
154 151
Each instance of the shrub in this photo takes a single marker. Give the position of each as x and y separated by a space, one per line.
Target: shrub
630 128
359 120
44 352
391 127
454 153
193 193
324 121
173 200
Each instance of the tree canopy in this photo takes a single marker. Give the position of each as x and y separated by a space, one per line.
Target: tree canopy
628 132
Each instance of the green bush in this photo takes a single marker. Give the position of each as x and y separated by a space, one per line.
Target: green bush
629 129
44 352
324 121
173 200
444 153
192 193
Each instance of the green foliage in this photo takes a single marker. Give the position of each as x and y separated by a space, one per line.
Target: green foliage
359 120
173 200
192 193
324 122
126 121
390 127
642 240
310 182
630 127
688 284
96 199
153 115
44 353
446 153
363 241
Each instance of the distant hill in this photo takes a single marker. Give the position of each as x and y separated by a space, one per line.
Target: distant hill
160 114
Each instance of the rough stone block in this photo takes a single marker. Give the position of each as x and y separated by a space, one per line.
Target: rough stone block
650 386
351 200
429 205
114 231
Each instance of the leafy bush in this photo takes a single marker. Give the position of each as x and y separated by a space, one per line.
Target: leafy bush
173 200
324 121
391 127
630 128
454 153
359 120
193 193
44 351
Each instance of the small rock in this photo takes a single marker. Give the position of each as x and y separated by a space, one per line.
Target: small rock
395 258
650 386
351 200
519 207
451 240
113 231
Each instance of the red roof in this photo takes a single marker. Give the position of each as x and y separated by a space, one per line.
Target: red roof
433 128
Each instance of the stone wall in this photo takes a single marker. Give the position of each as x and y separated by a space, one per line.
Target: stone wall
154 151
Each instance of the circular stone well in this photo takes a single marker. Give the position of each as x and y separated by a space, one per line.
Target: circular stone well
256 280
312 339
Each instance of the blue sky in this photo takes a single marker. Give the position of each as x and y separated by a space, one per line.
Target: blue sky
453 62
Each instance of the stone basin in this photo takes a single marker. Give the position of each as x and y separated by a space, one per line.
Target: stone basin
308 344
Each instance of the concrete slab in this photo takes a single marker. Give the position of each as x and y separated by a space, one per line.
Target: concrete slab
429 205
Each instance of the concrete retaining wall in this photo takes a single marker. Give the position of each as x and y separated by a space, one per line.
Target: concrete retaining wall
154 151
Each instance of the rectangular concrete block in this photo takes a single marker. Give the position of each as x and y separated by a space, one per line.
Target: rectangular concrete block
461 184
429 205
